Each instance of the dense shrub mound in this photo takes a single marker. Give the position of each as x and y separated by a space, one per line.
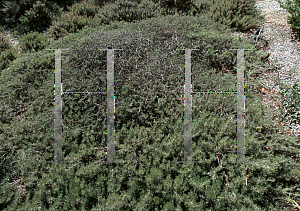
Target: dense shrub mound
149 126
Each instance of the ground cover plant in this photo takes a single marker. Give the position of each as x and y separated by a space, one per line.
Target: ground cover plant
149 74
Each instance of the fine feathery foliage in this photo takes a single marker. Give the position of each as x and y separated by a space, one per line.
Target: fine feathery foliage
149 125
183 6
6 57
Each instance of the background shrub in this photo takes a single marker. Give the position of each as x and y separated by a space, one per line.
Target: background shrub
101 2
33 41
88 14
7 52
4 40
79 15
65 4
240 15
84 8
24 16
182 6
6 57
2 21
125 10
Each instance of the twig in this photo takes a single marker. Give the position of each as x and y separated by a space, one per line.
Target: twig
296 204
257 35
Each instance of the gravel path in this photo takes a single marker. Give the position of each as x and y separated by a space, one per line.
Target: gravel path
284 53
282 45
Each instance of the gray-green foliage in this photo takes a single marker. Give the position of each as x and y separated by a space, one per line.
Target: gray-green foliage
149 126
